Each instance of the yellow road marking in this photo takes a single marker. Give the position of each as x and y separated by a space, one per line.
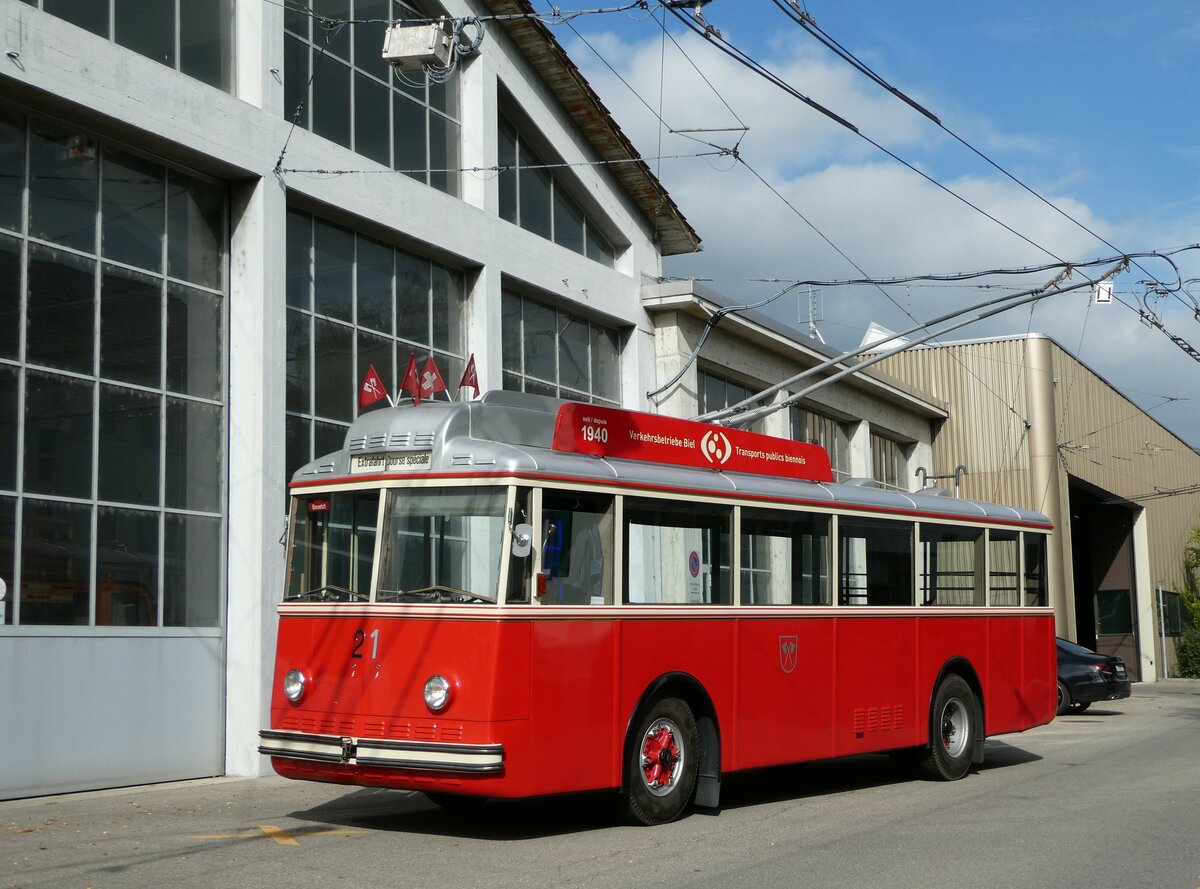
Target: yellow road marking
278 834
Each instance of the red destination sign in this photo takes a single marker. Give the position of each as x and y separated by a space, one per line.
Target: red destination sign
608 432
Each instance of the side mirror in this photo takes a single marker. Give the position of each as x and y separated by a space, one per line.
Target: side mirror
522 540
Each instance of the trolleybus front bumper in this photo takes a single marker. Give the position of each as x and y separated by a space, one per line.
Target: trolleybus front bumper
472 759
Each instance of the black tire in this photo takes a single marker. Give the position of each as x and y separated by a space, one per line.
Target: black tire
1079 708
664 759
954 725
1064 699
454 801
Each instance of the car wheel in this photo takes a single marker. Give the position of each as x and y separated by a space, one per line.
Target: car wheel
1064 699
953 725
1079 708
663 763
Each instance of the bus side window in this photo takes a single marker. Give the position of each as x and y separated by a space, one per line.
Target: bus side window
520 568
577 550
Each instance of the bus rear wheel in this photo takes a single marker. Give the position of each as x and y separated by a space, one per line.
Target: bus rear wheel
663 763
954 725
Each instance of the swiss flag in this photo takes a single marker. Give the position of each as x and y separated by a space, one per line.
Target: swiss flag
469 377
409 382
431 380
372 390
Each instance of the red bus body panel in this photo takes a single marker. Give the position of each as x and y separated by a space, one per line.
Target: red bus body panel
558 691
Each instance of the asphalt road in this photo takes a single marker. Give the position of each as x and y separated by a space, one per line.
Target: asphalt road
1107 798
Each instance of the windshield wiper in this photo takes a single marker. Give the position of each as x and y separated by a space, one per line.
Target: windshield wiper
328 593
435 593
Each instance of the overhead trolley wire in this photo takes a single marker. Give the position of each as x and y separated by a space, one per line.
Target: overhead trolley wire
809 25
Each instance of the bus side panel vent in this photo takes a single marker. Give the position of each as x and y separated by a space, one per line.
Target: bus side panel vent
872 720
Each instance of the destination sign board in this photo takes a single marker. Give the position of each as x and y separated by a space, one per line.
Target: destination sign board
630 435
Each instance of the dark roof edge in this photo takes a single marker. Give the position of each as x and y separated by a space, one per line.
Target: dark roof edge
543 51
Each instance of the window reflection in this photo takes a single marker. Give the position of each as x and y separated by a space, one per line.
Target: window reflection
126 568
556 353
337 85
63 188
55 555
97 430
58 435
354 302
149 27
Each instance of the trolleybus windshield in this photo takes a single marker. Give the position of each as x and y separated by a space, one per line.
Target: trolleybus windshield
442 545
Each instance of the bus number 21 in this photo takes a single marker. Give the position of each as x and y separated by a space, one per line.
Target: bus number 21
359 638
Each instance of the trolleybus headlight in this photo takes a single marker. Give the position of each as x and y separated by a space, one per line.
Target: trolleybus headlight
293 685
437 692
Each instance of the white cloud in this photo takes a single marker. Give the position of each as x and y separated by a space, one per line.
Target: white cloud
885 217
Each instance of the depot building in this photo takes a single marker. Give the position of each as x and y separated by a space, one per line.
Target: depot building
214 218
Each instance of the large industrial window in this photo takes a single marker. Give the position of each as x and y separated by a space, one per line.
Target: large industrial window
889 462
337 85
354 302
112 387
194 37
552 352
831 434
715 392
535 199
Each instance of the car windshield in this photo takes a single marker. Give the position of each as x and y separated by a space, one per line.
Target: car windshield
442 545
332 547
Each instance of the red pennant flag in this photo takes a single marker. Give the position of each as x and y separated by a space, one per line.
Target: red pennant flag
409 382
431 380
469 377
372 390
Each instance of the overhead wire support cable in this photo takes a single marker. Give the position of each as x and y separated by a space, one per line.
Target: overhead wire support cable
733 416
712 322
809 25
555 17
714 37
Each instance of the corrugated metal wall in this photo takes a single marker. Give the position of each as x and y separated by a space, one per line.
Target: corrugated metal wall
1108 441
1103 438
986 432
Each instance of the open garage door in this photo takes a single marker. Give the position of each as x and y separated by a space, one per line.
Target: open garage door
1104 558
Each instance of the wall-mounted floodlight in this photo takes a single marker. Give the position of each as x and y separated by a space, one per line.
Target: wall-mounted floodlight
411 46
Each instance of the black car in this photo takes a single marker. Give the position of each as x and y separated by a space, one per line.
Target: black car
1084 677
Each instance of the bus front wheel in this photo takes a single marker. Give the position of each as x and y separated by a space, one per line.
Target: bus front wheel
663 763
954 726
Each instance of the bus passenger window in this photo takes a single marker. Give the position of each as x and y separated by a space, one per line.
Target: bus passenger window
875 562
1003 583
951 565
1035 569
785 557
520 568
677 553
577 549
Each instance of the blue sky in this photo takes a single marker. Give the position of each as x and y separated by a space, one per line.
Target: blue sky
1096 106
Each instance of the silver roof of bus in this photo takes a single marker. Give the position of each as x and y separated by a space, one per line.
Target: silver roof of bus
512 433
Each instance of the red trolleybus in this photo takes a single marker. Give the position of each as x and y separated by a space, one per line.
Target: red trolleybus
520 596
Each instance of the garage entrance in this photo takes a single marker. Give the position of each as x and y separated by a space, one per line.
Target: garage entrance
1103 566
